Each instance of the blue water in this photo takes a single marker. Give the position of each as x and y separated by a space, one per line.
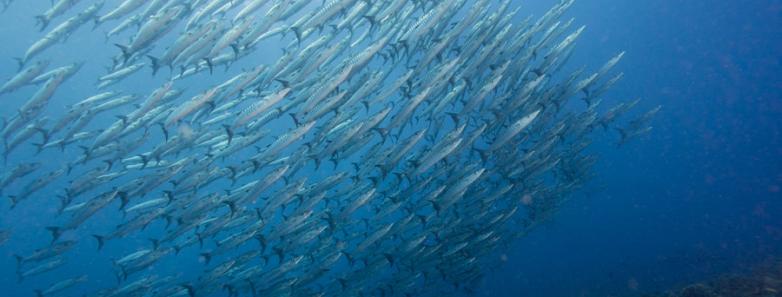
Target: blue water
698 197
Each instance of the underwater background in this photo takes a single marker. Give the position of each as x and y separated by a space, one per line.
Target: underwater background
698 197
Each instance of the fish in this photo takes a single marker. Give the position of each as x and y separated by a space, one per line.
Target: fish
249 8
58 8
93 206
450 126
230 37
35 186
63 73
61 285
184 42
513 129
24 77
26 133
259 107
62 31
55 250
196 103
19 171
5 235
155 27
41 269
120 11
118 75
638 126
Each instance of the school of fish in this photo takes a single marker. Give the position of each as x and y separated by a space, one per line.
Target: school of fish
391 149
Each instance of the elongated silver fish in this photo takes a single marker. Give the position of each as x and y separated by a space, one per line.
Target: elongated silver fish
450 126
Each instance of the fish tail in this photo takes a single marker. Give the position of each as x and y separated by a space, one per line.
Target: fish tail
95 23
437 207
19 261
383 170
200 240
207 257
236 49
64 201
190 290
155 243
144 161
125 51
70 166
623 134
209 64
14 201
19 63
56 232
298 32
454 117
155 64
123 118
483 154
382 132
317 163
232 207
165 131
295 119
123 200
42 20
86 152
285 83
39 147
44 133
373 22
229 132
100 239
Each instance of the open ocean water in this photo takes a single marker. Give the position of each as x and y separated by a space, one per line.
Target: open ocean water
689 207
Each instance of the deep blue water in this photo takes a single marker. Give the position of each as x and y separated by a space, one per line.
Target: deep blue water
700 195
697 197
